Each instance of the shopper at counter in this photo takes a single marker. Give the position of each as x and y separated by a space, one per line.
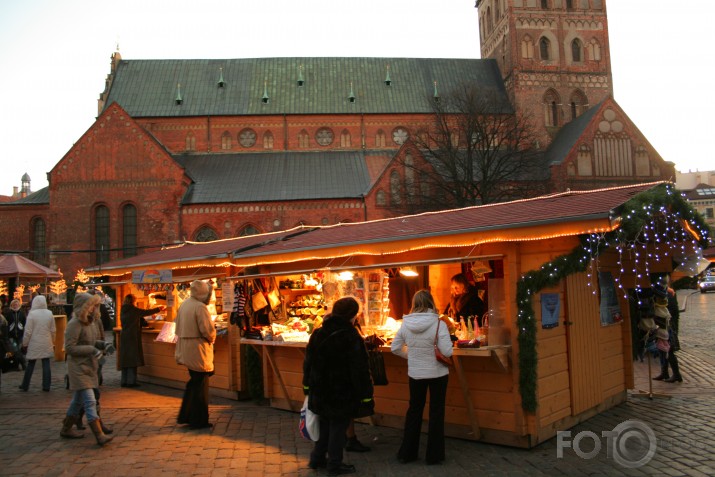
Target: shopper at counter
131 352
336 377
464 301
415 341
196 335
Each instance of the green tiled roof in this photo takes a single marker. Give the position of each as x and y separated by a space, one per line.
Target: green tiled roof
41 196
148 88
568 136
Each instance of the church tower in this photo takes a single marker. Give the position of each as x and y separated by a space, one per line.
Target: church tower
553 55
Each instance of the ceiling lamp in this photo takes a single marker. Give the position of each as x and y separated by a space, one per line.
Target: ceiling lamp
345 276
408 272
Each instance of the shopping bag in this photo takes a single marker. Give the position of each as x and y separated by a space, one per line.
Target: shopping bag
309 425
376 361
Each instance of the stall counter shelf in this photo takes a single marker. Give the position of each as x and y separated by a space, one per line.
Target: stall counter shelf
480 401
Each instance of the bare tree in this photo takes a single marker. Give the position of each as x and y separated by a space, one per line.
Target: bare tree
475 150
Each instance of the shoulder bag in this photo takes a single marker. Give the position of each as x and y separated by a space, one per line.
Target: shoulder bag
445 360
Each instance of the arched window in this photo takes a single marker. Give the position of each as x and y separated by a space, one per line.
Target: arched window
205 234
248 230
395 195
545 4
490 23
38 241
594 50
101 234
545 48
345 139
226 140
303 139
576 55
380 138
410 178
551 108
569 4
268 140
380 198
527 47
190 142
578 103
129 230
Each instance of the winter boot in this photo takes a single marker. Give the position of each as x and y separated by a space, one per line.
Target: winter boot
78 423
67 430
663 374
101 437
354 445
105 429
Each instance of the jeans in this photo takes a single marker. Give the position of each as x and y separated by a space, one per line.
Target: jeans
46 374
413 420
84 398
331 440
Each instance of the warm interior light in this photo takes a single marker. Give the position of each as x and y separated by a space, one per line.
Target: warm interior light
408 272
345 276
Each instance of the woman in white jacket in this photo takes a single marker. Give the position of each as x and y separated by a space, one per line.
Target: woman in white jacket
39 340
415 341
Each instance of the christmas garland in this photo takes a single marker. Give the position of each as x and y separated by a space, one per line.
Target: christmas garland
636 214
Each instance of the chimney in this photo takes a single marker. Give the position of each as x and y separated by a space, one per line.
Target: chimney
14 191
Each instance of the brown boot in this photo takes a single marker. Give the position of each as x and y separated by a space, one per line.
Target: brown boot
101 437
67 430
78 423
105 429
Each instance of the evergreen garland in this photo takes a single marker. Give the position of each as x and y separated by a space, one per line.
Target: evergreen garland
642 209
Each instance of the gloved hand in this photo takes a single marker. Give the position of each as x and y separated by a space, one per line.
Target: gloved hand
109 349
98 353
100 345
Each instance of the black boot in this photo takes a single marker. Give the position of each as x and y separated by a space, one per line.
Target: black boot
663 374
354 445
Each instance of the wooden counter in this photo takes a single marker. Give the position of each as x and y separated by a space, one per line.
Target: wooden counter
60 327
481 399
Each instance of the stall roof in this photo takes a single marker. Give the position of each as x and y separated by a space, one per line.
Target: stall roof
572 207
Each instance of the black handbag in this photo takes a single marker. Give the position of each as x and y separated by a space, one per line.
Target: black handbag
376 362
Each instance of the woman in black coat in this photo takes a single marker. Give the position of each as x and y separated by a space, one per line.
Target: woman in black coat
336 379
131 353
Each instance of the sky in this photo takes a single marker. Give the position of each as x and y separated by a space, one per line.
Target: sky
55 56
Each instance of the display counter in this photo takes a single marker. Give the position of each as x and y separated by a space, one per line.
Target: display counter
481 395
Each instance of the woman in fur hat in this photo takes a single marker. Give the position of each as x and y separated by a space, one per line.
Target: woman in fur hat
84 348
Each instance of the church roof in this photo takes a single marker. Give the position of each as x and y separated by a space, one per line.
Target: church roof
277 176
41 196
568 136
152 88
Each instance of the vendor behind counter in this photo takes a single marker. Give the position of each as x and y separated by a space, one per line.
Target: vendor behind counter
464 301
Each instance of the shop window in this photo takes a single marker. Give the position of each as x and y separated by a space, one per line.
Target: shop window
38 241
129 230
226 140
345 139
101 234
380 138
545 49
576 55
205 234
248 230
303 139
268 140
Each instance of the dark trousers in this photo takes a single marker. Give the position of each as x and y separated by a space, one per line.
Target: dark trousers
129 376
46 374
332 440
666 359
413 420
195 405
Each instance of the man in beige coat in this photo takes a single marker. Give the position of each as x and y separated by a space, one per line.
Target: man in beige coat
196 335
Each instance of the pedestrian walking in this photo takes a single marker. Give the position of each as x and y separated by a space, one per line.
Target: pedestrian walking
84 349
39 342
196 335
415 340
16 321
131 352
336 378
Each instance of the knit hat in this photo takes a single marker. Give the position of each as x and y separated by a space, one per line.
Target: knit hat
346 308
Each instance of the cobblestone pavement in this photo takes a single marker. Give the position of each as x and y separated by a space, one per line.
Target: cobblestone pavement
254 440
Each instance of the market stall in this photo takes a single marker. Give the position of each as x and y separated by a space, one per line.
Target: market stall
557 275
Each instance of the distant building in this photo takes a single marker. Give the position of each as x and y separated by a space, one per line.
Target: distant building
208 149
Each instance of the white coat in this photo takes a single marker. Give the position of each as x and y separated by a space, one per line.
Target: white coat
415 341
40 330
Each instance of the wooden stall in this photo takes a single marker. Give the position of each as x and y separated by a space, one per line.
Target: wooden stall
557 272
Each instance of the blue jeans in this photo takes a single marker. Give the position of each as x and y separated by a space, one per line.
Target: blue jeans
46 374
84 398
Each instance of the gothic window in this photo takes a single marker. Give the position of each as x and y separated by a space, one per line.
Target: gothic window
268 140
527 47
490 23
324 136
598 4
400 135
594 50
569 4
190 142
395 196
545 4
545 48
226 140
578 103
584 4
345 139
380 138
303 139
248 230
454 138
205 234
410 178
584 162
576 55
380 199
247 137
497 12
101 234
129 230
425 189
38 241
551 108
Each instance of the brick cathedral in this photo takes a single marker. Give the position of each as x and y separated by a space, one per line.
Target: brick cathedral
207 149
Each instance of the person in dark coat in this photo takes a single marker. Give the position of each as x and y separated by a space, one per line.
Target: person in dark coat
464 301
336 378
131 353
16 321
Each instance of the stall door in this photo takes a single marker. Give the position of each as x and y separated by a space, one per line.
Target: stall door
582 334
